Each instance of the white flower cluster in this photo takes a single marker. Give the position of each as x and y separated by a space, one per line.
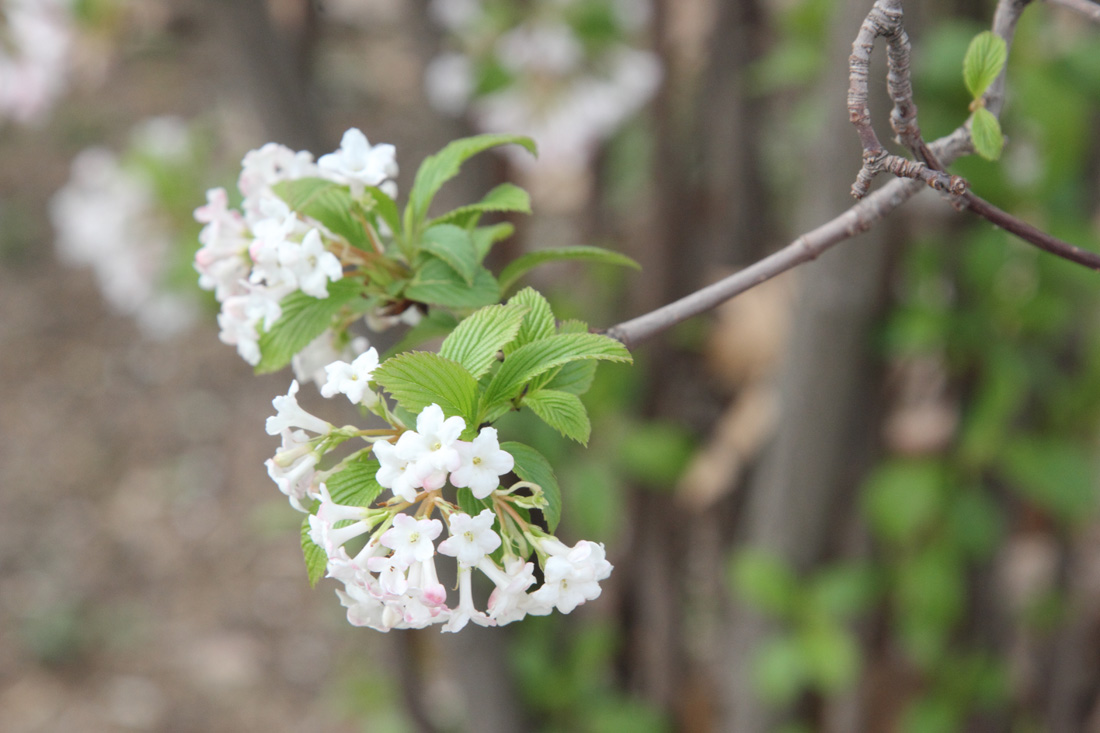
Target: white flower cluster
38 36
566 95
392 581
108 216
254 257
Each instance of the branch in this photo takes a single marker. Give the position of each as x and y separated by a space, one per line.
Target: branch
810 245
1030 234
1089 9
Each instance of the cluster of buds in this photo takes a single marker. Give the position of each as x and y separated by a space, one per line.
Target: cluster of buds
255 256
391 582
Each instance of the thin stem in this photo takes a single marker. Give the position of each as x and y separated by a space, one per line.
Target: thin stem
1031 234
855 220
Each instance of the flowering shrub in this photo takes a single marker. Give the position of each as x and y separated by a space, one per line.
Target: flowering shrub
316 247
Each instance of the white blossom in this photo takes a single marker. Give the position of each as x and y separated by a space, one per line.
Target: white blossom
411 538
352 379
291 415
292 468
472 538
432 446
359 163
482 464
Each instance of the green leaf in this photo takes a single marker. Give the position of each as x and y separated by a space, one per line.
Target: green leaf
765 582
1057 476
831 656
454 246
433 325
539 321
537 357
437 283
354 484
902 499
779 670
384 206
417 379
315 557
485 237
477 339
518 267
575 377
532 466
562 411
985 57
304 318
469 504
443 166
985 131
327 202
842 591
505 197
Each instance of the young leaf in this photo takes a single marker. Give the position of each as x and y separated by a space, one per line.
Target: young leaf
355 483
327 202
475 342
562 411
485 237
437 283
315 557
304 318
539 321
435 324
454 246
443 166
417 379
532 466
985 131
575 377
385 207
505 197
985 57
538 357
518 267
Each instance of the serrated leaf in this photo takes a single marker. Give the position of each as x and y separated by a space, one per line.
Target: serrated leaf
575 377
435 324
354 484
417 379
452 245
532 466
539 321
385 207
443 166
562 411
985 131
477 339
485 237
505 197
327 202
437 283
315 557
304 318
538 357
518 267
985 57
572 325
470 504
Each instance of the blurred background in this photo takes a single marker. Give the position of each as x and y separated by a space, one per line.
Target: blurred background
862 497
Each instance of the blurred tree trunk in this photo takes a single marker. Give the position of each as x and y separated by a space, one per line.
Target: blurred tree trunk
275 69
799 499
